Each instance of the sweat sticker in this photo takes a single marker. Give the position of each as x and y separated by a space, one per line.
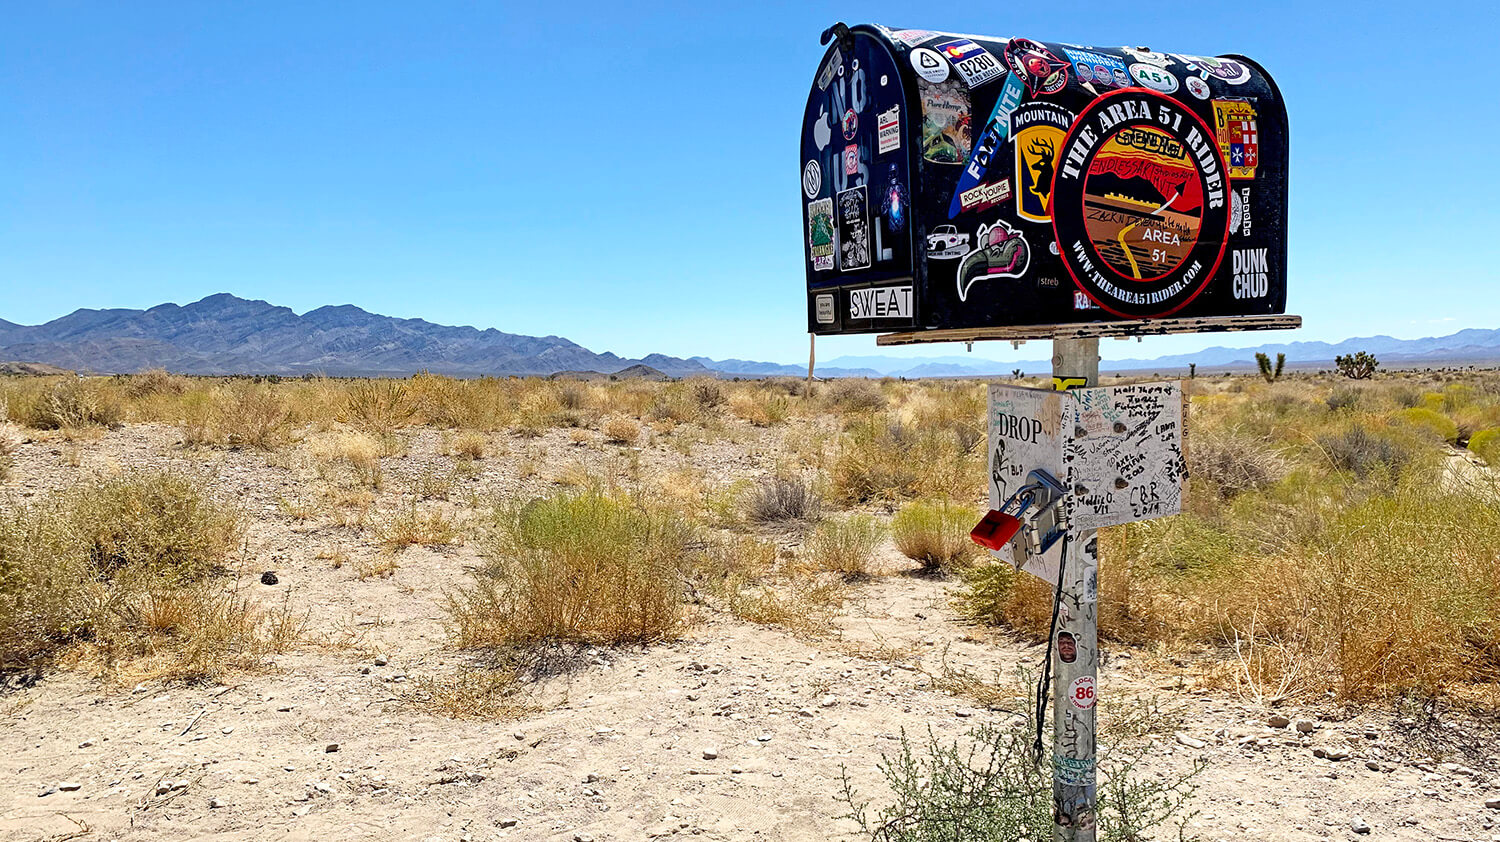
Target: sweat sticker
973 62
1239 141
1081 693
854 229
888 130
929 65
1043 72
820 234
1039 128
1140 204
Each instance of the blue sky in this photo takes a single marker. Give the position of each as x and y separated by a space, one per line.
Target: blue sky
627 175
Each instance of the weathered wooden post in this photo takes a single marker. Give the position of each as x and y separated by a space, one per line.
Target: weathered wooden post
1075 643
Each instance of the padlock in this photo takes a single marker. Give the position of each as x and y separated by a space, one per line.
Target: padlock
996 529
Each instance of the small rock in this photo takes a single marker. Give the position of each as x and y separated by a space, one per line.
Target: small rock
710 754
70 786
216 804
86 743
1190 742
765 738
269 578
1359 825
330 748
582 837
590 778
1306 726
507 822
805 712
1493 803
1276 720
827 702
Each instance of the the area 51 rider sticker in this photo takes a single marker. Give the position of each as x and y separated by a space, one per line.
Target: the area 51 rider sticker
1140 205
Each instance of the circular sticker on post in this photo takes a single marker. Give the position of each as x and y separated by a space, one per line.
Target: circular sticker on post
1155 78
929 65
812 179
1197 87
1081 693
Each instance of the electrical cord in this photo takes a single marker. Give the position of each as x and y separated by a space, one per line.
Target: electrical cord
1045 684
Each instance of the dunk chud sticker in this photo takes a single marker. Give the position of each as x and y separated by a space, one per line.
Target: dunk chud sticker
1140 203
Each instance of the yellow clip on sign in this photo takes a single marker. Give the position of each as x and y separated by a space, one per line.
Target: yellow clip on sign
1063 384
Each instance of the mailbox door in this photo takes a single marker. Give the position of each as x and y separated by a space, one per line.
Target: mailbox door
856 192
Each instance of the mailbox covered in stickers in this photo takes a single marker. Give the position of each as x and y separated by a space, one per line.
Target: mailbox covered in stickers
963 181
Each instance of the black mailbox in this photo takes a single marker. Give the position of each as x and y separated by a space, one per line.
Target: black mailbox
963 181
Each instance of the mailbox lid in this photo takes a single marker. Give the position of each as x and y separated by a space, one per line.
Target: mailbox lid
856 152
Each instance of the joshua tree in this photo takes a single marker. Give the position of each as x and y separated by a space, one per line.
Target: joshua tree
1192 370
1358 365
1272 374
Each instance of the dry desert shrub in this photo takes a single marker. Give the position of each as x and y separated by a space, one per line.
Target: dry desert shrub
587 566
1233 462
413 525
852 395
619 430
882 458
123 576
760 407
778 499
935 533
470 446
350 455
845 545
1486 445
379 406
1430 422
69 403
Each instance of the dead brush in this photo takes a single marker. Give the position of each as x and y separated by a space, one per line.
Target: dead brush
778 499
413 525
622 431
1234 462
470 446
70 404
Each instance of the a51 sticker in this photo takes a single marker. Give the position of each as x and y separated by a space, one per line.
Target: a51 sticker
1153 77
1081 694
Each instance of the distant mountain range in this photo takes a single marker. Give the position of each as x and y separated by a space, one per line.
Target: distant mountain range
223 334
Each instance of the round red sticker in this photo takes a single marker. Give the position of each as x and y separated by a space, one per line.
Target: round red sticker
1081 694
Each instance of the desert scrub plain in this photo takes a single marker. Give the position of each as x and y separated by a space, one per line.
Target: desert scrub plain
564 610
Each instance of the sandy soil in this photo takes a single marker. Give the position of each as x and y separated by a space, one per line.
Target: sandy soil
736 732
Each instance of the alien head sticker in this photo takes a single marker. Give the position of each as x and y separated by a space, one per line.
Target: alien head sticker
1043 72
1000 252
1140 203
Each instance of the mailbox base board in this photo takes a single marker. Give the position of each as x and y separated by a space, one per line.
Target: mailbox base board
1088 330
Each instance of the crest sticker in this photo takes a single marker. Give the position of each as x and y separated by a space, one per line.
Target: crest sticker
1239 141
1040 128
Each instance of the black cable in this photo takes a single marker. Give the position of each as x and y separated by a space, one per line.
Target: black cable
1045 684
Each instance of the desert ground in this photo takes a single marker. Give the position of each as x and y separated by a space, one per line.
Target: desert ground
367 711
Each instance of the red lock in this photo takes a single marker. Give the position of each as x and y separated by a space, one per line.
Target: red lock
995 530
